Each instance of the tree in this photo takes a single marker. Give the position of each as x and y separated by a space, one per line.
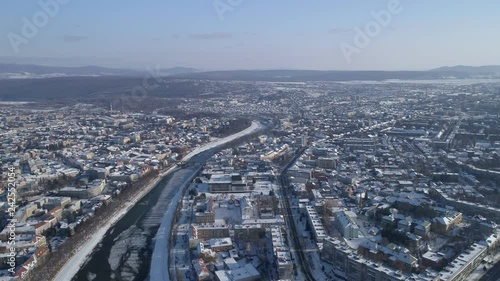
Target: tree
193 192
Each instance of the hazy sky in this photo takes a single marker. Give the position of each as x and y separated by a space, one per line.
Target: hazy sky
252 34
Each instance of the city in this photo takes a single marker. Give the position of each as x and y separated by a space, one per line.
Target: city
397 182
233 140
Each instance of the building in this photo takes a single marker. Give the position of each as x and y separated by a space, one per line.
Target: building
26 268
210 231
25 212
84 192
245 273
444 223
221 244
357 268
467 207
316 226
344 220
397 257
433 260
249 232
281 254
207 215
219 183
326 163
461 267
422 229
201 270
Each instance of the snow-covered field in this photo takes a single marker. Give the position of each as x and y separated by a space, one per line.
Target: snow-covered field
72 266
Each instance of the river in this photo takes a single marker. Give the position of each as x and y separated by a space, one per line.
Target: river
124 254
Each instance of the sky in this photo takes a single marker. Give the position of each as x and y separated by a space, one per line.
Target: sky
252 34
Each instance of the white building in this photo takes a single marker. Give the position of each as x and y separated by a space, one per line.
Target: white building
345 221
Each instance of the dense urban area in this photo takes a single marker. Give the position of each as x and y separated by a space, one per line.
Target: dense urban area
362 180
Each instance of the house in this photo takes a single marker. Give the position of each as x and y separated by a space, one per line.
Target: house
201 270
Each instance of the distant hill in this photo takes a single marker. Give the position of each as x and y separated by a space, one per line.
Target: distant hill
96 88
315 75
10 71
178 70
18 71
470 69
455 72
98 84
41 70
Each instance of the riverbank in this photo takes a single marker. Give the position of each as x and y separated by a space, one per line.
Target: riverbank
74 263
72 266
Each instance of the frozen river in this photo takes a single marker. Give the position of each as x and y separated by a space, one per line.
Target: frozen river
126 249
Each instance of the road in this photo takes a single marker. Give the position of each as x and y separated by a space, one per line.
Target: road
493 274
303 264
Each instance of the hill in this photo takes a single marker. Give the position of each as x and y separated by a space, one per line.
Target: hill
11 71
316 75
485 69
